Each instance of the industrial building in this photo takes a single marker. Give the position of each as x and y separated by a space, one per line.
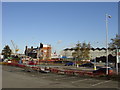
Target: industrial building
93 53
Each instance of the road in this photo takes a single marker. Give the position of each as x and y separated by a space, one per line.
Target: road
15 77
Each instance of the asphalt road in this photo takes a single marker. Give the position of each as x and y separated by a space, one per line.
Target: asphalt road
15 77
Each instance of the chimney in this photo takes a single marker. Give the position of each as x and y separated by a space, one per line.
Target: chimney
25 50
41 45
31 47
25 47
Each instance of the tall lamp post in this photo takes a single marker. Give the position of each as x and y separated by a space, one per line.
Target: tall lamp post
117 58
107 16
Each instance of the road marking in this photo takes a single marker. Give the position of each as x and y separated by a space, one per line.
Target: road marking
73 77
101 83
17 68
59 76
43 77
44 74
33 75
64 78
80 80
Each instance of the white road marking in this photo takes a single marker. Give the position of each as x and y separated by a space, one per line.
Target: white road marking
43 77
101 83
73 77
65 78
33 75
59 76
17 68
80 80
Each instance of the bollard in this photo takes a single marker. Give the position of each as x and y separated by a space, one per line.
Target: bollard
95 67
77 65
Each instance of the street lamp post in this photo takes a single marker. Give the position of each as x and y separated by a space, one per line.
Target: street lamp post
107 16
117 62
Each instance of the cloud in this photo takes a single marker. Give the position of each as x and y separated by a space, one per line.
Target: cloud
59 41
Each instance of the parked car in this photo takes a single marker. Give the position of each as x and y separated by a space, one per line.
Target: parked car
103 70
90 65
69 64
87 65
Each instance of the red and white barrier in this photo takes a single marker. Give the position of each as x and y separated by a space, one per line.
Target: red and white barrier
69 72
56 70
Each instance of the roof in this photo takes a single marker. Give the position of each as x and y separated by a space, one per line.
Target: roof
30 50
90 49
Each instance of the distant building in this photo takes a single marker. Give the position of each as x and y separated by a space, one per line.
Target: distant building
94 52
41 52
54 55
32 52
100 52
45 52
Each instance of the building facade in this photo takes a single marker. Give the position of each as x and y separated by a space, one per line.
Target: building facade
45 52
42 52
94 52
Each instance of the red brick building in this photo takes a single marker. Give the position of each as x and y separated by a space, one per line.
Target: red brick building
42 52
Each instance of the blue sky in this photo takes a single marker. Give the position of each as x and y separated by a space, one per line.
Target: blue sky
59 24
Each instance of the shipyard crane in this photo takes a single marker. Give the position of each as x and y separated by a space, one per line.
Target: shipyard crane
15 47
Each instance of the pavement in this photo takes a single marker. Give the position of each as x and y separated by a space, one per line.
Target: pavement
15 77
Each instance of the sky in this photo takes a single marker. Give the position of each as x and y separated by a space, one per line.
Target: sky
60 24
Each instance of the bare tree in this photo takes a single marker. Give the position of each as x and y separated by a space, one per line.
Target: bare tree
82 51
115 42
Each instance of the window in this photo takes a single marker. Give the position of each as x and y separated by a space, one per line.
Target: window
34 51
